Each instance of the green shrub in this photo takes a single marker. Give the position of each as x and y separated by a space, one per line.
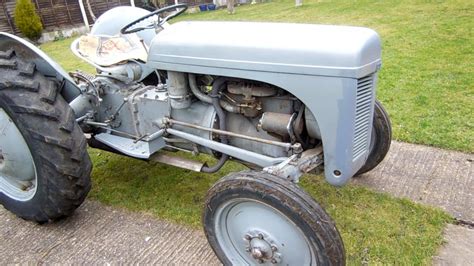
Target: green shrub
26 19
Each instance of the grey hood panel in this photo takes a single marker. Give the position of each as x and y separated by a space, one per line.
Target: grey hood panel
271 47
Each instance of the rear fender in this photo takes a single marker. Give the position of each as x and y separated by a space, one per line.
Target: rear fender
44 64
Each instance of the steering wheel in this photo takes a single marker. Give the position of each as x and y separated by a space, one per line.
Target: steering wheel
179 7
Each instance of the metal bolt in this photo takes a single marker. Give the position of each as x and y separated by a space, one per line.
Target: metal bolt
274 248
260 236
274 261
260 261
248 237
257 253
247 249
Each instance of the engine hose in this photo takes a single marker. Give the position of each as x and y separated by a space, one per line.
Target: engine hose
207 99
217 86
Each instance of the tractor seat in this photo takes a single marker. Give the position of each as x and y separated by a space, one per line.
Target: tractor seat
110 50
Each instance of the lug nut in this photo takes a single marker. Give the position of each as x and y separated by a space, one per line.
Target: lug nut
274 248
247 249
260 261
260 236
274 261
248 237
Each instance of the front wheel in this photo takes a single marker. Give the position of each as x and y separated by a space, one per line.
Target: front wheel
380 140
256 218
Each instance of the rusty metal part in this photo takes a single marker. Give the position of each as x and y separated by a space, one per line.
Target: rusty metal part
249 90
177 161
311 159
262 247
249 107
295 166
229 107
295 147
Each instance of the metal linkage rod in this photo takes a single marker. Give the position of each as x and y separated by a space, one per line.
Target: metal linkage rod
296 147
244 155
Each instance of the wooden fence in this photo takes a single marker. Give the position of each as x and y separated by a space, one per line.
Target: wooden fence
63 13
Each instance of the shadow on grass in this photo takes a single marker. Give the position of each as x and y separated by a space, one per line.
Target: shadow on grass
376 228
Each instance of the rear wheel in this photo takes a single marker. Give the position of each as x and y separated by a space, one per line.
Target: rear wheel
380 140
44 165
256 218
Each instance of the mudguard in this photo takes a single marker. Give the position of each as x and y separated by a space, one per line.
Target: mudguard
43 62
331 69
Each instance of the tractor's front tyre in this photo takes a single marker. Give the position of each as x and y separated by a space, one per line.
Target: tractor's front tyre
380 141
44 165
253 218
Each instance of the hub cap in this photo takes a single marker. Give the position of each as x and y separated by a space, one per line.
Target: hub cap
17 169
252 232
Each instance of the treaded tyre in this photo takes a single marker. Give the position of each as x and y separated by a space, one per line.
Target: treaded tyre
256 218
380 140
44 165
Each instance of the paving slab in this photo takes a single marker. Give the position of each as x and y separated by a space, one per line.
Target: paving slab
97 234
459 247
426 175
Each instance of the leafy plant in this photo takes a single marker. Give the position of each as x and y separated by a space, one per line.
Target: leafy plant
27 20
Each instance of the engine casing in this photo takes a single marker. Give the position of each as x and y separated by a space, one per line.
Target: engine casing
331 69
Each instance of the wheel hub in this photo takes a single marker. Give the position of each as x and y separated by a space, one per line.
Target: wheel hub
251 232
261 248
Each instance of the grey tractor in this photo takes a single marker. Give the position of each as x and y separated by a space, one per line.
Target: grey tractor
283 99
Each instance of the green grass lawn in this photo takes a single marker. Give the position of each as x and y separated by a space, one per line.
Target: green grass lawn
376 228
427 77
426 84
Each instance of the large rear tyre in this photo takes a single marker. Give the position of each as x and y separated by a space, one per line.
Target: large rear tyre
380 140
44 165
256 218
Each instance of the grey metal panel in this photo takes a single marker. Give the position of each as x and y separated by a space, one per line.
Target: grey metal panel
137 149
113 20
43 62
270 47
198 113
332 101
247 126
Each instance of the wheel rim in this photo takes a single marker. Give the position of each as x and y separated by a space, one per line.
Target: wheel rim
252 232
17 169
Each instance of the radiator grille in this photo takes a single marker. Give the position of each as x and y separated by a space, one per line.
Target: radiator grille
363 115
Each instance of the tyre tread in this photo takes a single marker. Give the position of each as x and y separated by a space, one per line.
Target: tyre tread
34 100
383 127
52 93
8 54
301 203
28 70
